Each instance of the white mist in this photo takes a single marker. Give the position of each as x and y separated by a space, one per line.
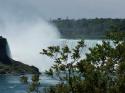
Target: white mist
28 39
27 33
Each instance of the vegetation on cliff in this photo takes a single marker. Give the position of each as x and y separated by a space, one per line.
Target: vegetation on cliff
17 68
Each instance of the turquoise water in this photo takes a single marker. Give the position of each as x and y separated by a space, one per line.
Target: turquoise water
12 84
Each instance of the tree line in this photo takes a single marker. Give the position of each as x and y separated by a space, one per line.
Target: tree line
86 28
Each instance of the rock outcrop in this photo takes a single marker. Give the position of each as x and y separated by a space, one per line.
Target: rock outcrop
10 66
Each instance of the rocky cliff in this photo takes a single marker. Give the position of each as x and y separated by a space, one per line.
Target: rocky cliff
10 66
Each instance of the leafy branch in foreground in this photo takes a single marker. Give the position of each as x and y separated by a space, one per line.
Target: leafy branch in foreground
102 71
65 60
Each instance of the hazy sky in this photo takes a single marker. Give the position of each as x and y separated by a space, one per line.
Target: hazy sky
63 8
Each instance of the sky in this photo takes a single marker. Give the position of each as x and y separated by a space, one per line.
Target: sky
64 8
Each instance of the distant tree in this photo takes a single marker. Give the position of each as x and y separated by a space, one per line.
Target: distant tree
87 28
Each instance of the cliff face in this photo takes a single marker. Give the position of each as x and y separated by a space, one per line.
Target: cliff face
4 51
10 66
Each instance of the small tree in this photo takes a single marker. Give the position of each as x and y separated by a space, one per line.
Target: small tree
65 64
33 86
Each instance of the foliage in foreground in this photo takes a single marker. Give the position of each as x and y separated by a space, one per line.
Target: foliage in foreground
102 71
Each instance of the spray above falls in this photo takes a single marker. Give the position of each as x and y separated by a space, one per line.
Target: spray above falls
28 39
26 31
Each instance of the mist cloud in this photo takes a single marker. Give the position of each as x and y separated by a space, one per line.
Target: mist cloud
27 32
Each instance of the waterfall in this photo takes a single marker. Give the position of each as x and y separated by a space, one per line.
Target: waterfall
71 43
8 50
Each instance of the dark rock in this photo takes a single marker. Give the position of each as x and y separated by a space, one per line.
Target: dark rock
10 66
4 51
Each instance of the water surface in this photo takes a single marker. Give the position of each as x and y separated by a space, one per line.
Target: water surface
12 84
